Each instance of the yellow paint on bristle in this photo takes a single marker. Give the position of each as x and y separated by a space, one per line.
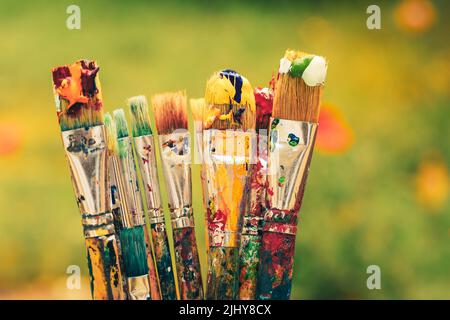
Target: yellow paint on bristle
291 55
220 90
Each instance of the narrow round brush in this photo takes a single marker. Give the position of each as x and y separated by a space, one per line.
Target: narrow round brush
229 123
251 229
174 143
293 128
136 250
80 114
144 147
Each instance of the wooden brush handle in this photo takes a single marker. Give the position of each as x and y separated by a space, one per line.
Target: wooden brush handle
188 264
223 273
275 269
155 292
163 261
248 266
104 268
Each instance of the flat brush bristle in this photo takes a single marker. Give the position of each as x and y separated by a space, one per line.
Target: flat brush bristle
170 111
230 102
111 133
140 121
78 95
294 99
264 105
121 123
197 108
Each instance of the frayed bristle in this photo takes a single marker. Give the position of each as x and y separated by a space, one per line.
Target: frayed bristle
197 108
140 121
111 133
264 105
230 102
170 111
78 95
294 99
121 123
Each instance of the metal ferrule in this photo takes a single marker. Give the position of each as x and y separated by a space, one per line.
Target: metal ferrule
226 151
145 151
86 153
290 149
138 288
131 201
176 160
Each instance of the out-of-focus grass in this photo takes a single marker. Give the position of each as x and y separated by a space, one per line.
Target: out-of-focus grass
360 207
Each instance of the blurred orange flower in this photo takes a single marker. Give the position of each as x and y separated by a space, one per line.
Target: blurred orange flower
11 138
415 15
432 183
335 135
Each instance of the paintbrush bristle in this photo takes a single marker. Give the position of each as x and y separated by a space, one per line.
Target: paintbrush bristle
197 108
264 105
78 95
111 134
298 89
170 111
140 120
121 123
230 102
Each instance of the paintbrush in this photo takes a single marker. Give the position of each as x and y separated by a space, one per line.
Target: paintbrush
229 125
251 228
293 128
174 143
197 110
80 114
130 224
144 146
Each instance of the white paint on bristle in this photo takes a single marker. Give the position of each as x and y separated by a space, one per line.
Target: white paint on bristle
285 65
316 72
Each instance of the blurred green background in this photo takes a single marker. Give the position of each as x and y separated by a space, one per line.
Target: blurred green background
378 191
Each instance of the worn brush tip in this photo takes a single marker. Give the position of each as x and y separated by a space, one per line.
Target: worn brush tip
264 105
78 95
140 120
111 133
299 86
170 111
197 108
121 123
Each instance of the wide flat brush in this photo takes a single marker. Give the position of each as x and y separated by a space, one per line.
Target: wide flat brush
174 143
229 123
80 114
251 228
144 146
292 133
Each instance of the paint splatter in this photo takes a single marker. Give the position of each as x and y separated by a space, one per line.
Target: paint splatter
293 140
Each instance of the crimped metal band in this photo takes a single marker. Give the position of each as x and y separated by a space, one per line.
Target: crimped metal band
156 215
182 218
98 225
252 225
139 288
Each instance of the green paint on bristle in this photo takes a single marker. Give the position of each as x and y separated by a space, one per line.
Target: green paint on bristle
111 133
140 120
121 123
134 251
84 117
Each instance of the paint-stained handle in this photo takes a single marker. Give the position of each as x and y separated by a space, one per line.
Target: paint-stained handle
275 271
163 261
155 292
223 273
248 266
188 264
104 268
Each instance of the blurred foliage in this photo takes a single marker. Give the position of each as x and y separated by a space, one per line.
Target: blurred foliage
383 199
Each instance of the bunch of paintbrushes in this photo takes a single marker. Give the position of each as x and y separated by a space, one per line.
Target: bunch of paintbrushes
252 181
